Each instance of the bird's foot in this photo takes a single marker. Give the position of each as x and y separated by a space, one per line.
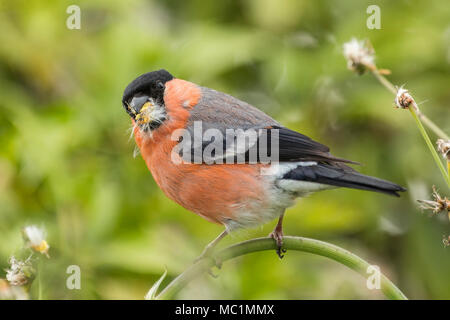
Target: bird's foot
277 235
207 254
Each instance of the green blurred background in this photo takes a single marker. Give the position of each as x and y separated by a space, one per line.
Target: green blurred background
66 160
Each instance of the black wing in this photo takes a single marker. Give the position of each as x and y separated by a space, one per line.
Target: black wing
294 146
212 144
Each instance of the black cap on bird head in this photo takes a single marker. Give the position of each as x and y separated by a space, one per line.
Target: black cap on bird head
147 86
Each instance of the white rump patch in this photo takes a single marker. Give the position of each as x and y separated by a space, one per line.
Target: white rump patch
280 169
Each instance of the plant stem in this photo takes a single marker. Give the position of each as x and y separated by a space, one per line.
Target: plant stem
430 145
39 279
430 124
385 82
290 243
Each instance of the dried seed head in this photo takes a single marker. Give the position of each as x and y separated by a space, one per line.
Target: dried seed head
20 272
360 55
437 205
35 239
446 241
403 99
444 148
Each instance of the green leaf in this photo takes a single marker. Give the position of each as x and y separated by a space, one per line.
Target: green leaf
151 294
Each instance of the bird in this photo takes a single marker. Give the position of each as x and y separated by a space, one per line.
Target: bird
198 169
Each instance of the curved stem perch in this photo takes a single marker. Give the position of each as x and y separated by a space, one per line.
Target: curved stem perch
291 243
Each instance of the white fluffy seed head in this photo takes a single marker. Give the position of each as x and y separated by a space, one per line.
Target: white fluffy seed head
35 239
19 272
360 55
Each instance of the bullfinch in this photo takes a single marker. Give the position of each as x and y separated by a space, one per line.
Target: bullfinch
195 169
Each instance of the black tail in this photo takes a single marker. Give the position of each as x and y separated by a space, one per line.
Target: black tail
342 176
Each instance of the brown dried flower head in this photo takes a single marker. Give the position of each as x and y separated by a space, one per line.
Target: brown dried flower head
437 205
444 148
403 99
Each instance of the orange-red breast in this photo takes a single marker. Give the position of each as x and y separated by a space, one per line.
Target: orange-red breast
236 195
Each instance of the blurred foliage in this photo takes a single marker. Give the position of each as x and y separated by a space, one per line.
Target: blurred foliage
66 158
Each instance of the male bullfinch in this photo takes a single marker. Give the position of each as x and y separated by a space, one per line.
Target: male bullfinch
235 195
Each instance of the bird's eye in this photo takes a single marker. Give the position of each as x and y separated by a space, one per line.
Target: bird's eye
159 85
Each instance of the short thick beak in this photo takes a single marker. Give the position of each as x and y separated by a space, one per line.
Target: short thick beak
137 103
